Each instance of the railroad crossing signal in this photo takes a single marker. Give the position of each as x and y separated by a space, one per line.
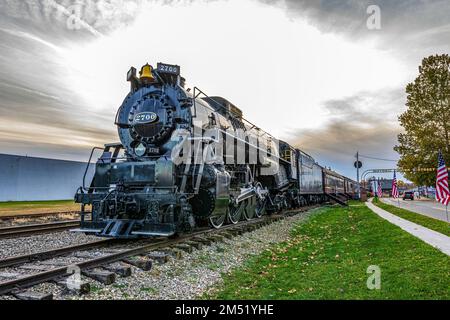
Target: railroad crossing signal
382 170
419 170
404 170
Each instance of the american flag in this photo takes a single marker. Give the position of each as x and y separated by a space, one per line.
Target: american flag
379 190
442 192
394 187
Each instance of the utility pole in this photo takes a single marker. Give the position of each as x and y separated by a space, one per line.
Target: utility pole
357 174
357 167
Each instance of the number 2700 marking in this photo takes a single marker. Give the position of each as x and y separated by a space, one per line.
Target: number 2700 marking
168 68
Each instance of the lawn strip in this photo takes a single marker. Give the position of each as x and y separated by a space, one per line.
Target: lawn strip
328 256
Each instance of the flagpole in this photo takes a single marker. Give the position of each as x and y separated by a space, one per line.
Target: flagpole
446 211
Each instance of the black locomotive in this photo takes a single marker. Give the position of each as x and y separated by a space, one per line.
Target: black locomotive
187 160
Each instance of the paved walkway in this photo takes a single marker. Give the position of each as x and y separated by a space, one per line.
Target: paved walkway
430 208
433 238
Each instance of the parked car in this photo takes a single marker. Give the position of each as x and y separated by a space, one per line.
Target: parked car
408 195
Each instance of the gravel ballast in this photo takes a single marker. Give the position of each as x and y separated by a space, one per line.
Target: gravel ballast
41 242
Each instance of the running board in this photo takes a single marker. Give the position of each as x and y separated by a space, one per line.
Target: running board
335 198
152 233
86 230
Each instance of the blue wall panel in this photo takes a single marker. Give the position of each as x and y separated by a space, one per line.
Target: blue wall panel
27 179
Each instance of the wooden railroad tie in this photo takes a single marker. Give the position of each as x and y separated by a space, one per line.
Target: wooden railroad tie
159 257
140 262
119 268
195 244
173 252
185 247
102 276
32 295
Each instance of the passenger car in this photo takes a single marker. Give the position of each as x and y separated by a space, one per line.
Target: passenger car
408 195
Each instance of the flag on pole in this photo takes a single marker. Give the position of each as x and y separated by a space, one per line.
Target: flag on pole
442 191
394 187
380 191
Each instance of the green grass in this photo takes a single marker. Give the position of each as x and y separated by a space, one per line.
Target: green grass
149 290
28 207
15 204
430 223
327 258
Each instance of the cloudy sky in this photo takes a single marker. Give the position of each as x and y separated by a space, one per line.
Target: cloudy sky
309 72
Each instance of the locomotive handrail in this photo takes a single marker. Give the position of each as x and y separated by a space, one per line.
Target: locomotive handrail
120 125
206 139
140 193
193 103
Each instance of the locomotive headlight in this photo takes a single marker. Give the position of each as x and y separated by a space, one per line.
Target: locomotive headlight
140 149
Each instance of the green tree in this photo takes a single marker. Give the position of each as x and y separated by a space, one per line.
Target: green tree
426 121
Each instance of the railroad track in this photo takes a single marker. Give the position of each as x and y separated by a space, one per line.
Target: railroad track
138 254
31 229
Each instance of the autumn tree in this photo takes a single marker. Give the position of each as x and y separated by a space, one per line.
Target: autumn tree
426 121
401 183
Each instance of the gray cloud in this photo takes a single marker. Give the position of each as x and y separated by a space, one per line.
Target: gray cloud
338 142
350 16
68 19
410 29
31 93
367 108
364 122
36 107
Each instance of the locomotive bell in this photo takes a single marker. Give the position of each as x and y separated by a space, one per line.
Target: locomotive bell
146 73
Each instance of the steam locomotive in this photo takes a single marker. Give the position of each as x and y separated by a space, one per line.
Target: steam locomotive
188 160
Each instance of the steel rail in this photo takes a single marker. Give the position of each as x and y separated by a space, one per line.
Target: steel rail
44 255
30 229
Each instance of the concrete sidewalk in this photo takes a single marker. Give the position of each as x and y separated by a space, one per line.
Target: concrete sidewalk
433 238
429 208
